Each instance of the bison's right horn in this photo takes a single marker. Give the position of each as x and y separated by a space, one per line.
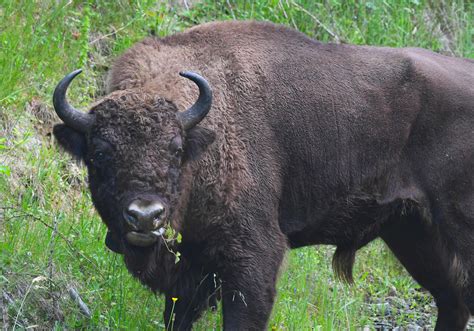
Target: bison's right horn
199 110
74 118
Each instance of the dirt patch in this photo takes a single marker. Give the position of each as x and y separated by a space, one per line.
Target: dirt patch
36 302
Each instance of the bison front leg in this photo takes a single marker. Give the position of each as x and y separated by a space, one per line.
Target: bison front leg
179 313
249 281
193 293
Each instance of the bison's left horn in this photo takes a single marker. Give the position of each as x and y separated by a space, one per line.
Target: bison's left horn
199 110
74 118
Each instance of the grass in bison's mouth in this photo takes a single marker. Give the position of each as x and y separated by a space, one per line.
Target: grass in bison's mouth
165 235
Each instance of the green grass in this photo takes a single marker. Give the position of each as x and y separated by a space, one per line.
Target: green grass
50 237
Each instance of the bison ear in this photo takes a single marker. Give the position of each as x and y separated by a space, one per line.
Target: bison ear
72 141
197 141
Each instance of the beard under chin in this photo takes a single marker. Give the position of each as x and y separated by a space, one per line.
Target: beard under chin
155 266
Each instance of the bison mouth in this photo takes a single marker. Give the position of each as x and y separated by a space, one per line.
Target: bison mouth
144 239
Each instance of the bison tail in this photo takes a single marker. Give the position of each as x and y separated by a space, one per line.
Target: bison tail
343 262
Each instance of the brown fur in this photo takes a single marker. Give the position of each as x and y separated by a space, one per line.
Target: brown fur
306 143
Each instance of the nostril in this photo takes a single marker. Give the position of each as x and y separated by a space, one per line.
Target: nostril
158 211
131 218
156 217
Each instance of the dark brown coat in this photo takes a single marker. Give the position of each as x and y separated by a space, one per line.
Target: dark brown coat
306 143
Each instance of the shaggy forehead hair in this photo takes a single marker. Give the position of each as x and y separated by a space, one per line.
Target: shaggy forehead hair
132 116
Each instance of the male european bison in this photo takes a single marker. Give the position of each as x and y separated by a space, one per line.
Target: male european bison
291 142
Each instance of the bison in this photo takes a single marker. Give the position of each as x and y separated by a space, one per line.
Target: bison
279 142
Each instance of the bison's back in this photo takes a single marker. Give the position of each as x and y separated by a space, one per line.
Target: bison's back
305 118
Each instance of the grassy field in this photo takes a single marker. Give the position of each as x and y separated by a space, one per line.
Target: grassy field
52 241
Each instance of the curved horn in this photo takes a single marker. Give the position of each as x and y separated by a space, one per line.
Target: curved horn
74 118
199 110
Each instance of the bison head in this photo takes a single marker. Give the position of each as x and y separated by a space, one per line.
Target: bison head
136 147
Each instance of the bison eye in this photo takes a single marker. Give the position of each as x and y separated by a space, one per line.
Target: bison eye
99 156
98 159
176 146
179 151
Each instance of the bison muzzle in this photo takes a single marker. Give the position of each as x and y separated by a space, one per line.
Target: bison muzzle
297 143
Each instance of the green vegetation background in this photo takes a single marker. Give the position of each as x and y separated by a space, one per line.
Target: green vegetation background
52 241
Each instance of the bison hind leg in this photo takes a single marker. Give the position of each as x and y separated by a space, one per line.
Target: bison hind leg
463 273
464 269
419 246
343 263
